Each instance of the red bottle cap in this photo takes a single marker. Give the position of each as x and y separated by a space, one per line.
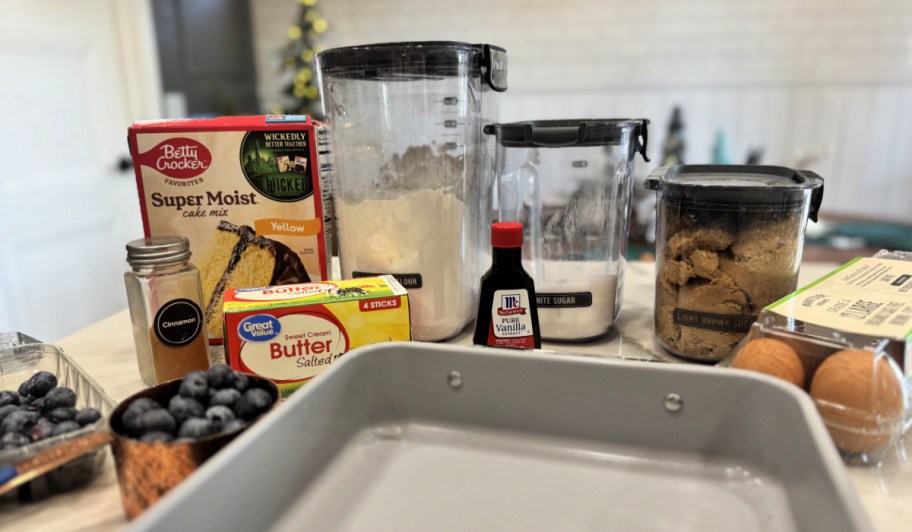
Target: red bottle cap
507 235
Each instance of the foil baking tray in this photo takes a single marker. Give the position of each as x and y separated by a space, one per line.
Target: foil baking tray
20 359
416 437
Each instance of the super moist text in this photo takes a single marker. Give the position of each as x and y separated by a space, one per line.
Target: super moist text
178 202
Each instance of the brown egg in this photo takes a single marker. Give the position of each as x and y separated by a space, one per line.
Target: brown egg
772 357
860 397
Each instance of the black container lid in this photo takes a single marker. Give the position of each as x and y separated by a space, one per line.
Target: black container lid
416 60
563 133
738 186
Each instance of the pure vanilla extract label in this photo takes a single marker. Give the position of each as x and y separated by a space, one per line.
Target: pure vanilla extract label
511 320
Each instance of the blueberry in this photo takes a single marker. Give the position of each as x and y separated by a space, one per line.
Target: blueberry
196 427
38 404
241 382
21 421
219 415
195 386
132 416
233 425
144 404
158 420
59 415
24 388
7 410
252 403
87 416
66 426
41 383
25 400
14 439
59 397
43 429
9 398
226 397
184 407
156 436
220 376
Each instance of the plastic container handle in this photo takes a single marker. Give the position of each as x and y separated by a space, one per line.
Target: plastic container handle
555 136
816 193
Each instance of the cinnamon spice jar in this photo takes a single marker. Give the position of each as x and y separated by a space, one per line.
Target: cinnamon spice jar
165 299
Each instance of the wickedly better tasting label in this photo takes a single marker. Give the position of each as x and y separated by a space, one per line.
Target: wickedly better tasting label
511 323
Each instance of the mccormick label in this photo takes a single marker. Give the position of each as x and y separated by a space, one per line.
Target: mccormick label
291 333
511 323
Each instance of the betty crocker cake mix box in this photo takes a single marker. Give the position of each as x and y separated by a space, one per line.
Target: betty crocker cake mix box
290 333
251 193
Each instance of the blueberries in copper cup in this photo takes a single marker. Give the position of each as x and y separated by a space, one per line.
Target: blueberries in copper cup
203 405
163 433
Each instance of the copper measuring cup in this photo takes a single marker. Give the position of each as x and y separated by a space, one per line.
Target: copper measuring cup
145 471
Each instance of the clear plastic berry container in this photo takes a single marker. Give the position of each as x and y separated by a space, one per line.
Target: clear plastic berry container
17 364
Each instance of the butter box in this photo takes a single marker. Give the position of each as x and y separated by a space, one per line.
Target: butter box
242 191
291 333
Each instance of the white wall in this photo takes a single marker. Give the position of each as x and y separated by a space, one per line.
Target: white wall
822 84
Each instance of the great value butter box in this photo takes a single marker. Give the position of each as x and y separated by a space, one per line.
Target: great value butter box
251 193
291 333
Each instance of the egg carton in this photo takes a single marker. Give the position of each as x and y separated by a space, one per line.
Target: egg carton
858 387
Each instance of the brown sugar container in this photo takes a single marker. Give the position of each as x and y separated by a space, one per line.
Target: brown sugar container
728 243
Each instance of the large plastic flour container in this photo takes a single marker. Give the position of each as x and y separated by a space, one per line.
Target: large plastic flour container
413 169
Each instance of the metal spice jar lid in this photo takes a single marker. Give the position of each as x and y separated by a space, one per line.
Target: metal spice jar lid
157 250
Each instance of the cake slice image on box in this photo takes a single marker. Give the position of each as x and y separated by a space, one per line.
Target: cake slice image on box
235 257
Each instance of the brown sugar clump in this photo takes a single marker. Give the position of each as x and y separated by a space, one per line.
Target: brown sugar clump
861 399
771 357
685 241
705 263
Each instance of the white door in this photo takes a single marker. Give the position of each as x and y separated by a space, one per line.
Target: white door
73 76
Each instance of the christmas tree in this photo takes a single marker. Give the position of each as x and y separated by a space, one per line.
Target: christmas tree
673 149
301 93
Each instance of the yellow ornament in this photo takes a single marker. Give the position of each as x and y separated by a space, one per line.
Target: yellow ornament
308 2
311 92
320 25
294 33
311 15
305 74
307 56
299 91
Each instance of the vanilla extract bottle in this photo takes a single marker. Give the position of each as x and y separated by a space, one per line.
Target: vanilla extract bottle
507 311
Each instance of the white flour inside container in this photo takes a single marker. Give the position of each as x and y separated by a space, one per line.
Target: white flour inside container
413 225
